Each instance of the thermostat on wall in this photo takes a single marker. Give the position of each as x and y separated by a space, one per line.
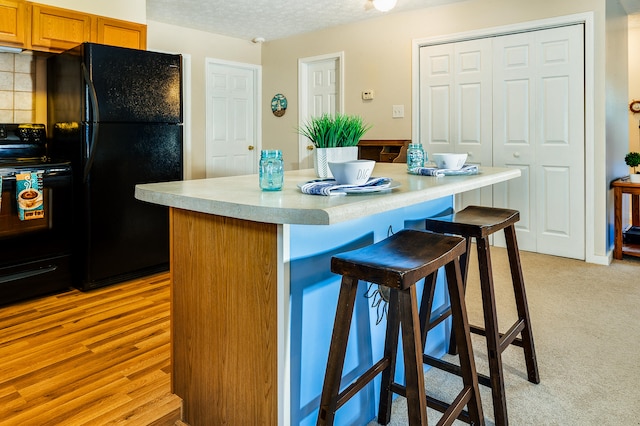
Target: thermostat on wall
367 95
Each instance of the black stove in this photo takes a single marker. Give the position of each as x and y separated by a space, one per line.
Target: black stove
35 246
22 140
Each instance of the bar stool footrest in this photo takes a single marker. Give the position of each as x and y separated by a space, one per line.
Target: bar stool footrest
361 382
453 369
438 316
511 334
441 406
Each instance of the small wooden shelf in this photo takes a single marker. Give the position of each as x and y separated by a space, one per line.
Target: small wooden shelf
624 186
383 150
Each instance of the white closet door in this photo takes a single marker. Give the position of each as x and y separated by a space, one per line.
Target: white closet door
456 101
515 101
539 128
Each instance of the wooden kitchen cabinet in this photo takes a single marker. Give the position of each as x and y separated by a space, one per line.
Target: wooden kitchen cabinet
13 23
121 33
54 29
46 28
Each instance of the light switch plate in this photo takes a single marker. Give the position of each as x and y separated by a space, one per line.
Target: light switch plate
398 111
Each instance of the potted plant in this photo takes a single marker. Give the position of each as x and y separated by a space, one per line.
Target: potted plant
335 138
632 159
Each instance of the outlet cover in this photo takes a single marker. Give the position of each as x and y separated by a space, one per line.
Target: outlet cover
398 111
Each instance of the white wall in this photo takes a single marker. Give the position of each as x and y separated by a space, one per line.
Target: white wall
199 46
617 112
634 80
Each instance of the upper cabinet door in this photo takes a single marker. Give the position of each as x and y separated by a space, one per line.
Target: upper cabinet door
122 33
57 29
13 23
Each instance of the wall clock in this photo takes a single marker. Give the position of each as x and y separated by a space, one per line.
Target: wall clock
634 106
279 105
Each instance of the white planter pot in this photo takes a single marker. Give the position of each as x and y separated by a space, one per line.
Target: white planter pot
322 156
634 177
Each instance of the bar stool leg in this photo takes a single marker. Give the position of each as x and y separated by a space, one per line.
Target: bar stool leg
521 304
390 351
464 269
467 362
412 350
337 351
492 333
426 305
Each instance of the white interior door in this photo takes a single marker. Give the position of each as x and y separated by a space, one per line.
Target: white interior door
456 100
232 140
320 92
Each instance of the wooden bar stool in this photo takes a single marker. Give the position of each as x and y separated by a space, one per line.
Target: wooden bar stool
398 262
479 223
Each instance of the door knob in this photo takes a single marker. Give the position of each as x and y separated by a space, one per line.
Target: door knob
250 147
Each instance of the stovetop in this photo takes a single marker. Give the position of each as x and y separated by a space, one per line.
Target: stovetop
9 166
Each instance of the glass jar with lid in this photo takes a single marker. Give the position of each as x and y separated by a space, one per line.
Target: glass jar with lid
416 156
271 170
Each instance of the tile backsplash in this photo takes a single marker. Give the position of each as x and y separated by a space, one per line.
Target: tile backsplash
17 88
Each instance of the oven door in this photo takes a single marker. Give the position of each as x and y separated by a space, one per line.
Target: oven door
35 254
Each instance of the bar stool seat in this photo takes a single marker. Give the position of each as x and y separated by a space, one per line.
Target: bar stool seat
479 223
398 262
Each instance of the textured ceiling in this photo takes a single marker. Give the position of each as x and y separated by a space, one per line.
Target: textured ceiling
270 19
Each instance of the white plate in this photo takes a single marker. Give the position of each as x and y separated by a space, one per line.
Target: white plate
358 189
369 189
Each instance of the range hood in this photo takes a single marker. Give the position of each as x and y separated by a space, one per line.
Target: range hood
6 49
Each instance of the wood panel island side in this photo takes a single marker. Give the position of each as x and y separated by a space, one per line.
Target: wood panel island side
253 299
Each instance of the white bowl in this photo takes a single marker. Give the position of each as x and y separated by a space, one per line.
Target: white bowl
354 172
448 160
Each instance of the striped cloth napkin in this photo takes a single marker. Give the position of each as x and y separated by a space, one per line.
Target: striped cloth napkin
331 187
467 169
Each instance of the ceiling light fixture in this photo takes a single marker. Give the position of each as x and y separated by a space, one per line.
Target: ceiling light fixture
384 5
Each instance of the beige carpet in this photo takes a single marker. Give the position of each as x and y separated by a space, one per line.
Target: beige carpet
586 326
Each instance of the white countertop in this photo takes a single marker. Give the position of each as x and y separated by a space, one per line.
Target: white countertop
240 196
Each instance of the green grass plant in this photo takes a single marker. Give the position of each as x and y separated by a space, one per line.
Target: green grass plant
332 131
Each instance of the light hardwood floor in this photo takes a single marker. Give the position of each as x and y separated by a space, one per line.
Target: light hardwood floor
89 358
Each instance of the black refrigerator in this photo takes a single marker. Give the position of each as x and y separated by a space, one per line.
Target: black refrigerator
116 113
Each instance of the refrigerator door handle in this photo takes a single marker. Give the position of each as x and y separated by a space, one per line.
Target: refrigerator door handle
94 120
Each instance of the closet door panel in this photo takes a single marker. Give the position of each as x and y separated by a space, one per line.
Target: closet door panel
513 129
436 96
455 105
560 141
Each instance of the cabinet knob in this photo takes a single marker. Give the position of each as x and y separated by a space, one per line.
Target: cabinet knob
310 147
516 154
250 147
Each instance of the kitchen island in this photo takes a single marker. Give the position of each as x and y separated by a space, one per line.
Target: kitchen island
253 298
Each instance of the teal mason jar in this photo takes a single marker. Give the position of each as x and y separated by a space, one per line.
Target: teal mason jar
271 170
416 156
